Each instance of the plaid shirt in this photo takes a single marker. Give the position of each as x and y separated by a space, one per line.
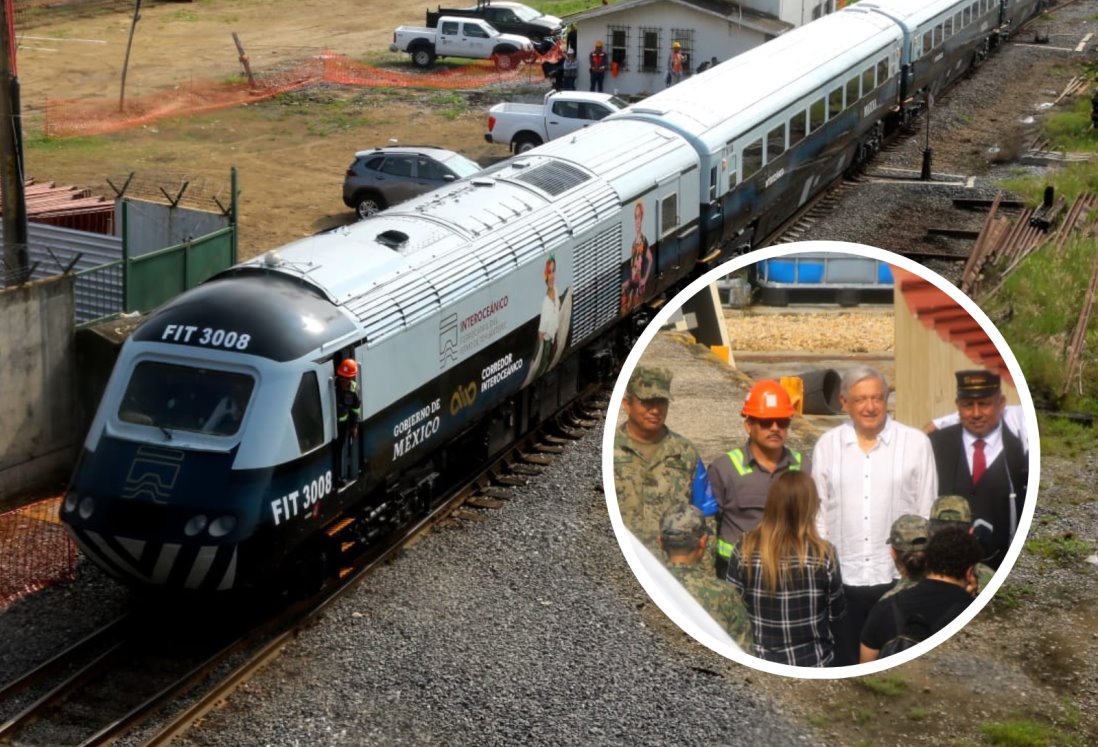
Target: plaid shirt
791 624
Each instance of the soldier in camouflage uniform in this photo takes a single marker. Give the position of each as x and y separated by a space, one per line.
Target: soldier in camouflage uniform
684 537
653 467
954 510
908 537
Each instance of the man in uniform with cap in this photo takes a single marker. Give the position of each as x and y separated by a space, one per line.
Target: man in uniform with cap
984 462
741 478
683 538
654 467
908 539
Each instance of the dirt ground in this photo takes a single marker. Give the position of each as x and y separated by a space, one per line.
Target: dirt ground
291 154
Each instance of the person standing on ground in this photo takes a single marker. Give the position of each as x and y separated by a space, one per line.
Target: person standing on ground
984 462
654 467
789 577
598 66
741 478
869 471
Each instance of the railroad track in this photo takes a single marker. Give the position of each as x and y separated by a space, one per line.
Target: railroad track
122 677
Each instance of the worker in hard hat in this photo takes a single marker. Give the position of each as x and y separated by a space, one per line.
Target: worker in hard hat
677 64
741 478
598 66
348 413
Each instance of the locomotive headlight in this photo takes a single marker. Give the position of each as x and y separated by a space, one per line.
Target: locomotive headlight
222 525
70 502
87 506
195 524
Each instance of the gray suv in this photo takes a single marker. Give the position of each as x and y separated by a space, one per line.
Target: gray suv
382 177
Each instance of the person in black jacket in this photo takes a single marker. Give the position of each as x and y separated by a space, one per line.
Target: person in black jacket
984 462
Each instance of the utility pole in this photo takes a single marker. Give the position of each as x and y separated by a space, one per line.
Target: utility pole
13 199
126 64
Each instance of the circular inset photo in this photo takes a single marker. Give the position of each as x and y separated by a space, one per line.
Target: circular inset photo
821 460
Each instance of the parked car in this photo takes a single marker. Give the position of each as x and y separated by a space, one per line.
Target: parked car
382 177
474 38
526 126
508 18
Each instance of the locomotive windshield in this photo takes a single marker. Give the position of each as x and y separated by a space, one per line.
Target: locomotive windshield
184 398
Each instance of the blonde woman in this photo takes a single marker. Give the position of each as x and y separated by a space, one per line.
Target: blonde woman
789 577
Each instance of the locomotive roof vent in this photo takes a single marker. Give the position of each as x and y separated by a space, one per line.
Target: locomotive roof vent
392 239
272 259
482 182
554 177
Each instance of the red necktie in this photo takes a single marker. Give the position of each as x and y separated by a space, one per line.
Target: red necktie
979 463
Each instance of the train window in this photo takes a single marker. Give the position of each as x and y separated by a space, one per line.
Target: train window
852 91
185 398
732 181
775 143
669 214
937 34
967 15
882 71
817 114
834 102
957 24
798 127
752 158
868 83
307 414
928 42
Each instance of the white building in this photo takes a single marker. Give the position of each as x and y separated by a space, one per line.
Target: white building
637 35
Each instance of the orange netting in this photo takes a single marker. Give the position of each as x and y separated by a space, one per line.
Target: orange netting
69 117
35 550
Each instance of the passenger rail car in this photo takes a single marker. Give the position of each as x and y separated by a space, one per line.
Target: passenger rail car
215 460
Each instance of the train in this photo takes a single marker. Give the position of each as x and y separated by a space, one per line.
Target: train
215 461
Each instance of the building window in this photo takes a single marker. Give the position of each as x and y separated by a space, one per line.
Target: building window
650 50
619 45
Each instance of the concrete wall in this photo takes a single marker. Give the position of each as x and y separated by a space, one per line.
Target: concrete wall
926 386
39 436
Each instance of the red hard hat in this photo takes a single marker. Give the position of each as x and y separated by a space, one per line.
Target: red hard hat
767 399
348 369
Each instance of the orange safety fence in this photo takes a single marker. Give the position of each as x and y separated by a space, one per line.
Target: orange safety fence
71 117
35 550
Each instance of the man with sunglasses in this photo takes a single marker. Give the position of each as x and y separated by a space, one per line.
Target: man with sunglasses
654 467
741 478
869 471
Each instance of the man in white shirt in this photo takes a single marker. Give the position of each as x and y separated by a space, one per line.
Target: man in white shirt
869 472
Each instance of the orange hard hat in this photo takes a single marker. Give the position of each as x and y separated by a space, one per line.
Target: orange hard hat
348 369
767 399
598 43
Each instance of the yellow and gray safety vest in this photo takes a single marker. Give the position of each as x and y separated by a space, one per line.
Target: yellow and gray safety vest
742 467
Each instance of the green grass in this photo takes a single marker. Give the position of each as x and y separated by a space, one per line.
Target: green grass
448 104
1025 733
918 713
890 686
1038 307
1010 596
1065 551
1070 182
1068 438
37 140
1069 131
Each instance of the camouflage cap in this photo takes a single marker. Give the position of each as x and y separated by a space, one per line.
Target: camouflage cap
951 508
681 527
650 382
909 532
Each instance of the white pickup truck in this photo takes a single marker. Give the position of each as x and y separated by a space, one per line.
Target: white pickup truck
526 126
458 37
